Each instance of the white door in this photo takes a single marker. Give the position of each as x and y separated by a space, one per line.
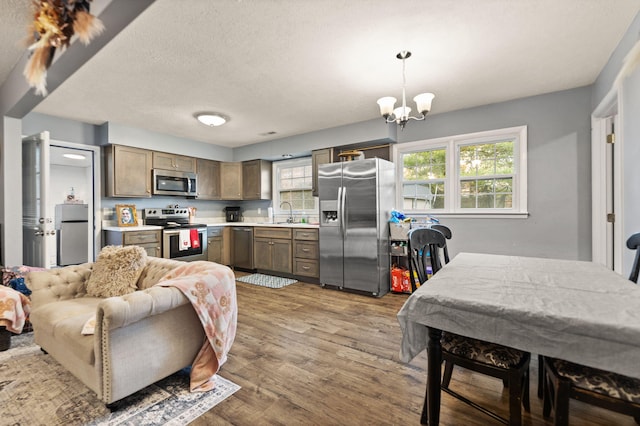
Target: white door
610 190
607 213
38 228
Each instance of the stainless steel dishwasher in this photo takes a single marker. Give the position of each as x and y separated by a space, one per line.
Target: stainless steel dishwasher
242 247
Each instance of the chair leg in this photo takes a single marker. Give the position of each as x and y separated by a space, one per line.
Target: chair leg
448 371
562 404
515 399
525 392
540 376
548 395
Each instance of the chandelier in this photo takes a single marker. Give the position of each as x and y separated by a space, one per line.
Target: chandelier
401 114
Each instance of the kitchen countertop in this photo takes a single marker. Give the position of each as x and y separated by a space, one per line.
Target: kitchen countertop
273 225
131 228
253 224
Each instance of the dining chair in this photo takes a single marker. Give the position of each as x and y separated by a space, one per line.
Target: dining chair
447 234
508 364
565 380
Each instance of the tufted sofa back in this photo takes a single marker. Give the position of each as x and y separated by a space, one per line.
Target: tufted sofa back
156 268
59 284
71 281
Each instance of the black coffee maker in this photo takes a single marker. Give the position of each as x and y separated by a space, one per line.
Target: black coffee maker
232 213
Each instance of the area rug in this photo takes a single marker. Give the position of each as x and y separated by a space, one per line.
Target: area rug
36 390
266 280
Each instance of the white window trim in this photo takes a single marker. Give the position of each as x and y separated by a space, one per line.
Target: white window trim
451 144
276 184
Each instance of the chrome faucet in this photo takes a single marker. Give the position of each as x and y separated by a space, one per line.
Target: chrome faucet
290 219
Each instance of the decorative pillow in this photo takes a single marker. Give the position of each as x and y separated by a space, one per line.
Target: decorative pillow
116 271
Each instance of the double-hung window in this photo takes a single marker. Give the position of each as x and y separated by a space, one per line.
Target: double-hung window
292 182
474 174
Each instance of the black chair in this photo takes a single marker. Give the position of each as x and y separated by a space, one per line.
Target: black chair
508 364
633 243
424 245
565 380
447 234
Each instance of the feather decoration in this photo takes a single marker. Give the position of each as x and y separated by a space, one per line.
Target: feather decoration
54 24
86 26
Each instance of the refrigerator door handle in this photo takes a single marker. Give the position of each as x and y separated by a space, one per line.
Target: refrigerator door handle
339 212
343 209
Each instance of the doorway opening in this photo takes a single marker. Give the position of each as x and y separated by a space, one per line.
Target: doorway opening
61 198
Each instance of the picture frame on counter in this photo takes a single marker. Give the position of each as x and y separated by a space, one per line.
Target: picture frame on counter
126 215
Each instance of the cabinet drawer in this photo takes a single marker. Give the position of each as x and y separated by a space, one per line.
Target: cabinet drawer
305 234
305 250
214 231
272 232
141 237
307 268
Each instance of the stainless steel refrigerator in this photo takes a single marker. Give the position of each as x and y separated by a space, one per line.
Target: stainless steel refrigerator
356 199
72 230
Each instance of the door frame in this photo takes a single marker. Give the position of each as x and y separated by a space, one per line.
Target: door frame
607 244
97 189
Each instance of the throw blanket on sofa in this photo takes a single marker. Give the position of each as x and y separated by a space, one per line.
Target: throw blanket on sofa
211 289
14 308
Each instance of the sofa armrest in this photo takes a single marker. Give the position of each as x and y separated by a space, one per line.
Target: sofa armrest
58 284
117 312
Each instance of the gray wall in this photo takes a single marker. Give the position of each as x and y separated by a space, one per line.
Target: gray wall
631 172
559 173
605 80
110 133
629 95
300 145
559 178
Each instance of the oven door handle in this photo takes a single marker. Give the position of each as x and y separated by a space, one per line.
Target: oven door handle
177 231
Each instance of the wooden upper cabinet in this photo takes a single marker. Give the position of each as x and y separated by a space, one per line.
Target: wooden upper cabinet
231 181
208 187
179 163
318 157
128 171
256 180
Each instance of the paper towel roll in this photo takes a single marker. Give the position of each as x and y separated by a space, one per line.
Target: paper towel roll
270 214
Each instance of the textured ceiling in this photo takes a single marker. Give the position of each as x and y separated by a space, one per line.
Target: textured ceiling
292 67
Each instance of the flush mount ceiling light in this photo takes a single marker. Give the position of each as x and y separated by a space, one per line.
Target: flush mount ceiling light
212 119
401 114
74 156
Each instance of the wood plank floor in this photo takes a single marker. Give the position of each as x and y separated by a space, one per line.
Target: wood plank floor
305 355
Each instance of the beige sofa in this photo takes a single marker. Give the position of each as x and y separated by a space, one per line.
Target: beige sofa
139 338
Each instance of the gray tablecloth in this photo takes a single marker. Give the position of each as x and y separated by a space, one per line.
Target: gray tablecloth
577 311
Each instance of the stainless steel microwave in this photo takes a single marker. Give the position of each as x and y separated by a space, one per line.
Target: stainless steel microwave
171 182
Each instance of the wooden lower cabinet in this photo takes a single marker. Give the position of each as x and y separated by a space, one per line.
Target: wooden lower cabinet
151 241
272 249
214 247
306 253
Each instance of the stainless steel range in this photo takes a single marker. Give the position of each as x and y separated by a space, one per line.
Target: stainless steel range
181 240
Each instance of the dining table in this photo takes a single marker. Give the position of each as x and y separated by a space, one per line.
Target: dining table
578 311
